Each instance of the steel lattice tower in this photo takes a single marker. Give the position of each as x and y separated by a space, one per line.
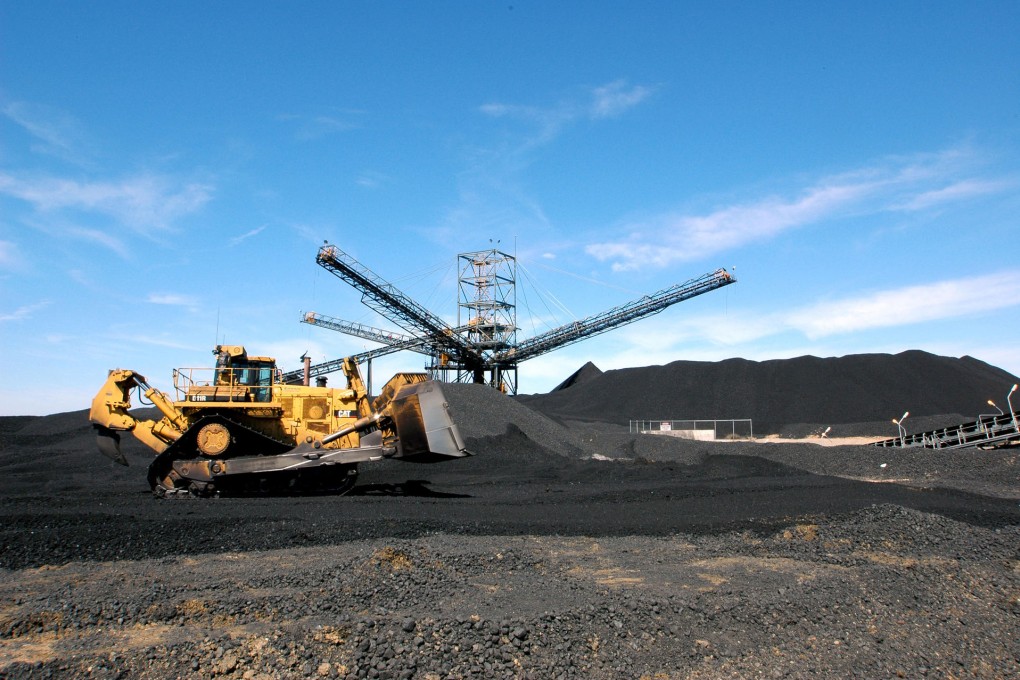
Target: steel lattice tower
487 309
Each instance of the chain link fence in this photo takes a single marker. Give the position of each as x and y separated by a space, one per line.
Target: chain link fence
704 430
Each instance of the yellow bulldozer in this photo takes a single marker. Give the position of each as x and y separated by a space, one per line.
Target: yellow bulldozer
238 428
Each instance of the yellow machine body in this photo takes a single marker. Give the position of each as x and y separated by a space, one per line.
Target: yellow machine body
238 420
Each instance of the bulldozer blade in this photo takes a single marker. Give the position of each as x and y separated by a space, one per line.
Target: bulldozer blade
108 442
425 431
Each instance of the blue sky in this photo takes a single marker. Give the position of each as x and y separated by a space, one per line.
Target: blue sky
168 171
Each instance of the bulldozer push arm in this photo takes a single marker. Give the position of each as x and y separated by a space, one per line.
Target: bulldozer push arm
109 415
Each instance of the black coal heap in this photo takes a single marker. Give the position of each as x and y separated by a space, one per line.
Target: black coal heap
860 388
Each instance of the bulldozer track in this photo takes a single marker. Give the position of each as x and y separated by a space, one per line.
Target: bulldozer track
244 441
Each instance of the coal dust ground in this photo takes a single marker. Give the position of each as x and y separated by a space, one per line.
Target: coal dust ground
559 550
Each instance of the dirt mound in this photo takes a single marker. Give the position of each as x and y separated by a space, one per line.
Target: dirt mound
862 388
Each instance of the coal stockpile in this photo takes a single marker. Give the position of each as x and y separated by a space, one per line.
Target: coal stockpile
855 389
565 547
582 375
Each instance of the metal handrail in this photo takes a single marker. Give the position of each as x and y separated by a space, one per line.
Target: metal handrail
643 426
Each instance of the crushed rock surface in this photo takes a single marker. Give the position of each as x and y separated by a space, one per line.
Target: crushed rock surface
881 592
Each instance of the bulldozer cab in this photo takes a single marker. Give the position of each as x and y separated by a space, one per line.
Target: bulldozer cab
255 375
237 377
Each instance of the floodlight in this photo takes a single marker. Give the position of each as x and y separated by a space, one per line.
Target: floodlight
902 430
1009 401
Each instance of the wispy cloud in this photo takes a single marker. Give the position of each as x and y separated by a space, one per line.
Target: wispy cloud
909 305
24 312
493 199
173 299
894 185
371 179
904 306
9 255
144 203
103 238
56 132
317 126
237 240
672 238
957 191
155 341
605 101
613 99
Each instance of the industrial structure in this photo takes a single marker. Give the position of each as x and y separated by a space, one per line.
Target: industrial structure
483 347
989 431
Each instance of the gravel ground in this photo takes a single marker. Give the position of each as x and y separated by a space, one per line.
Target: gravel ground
882 592
564 548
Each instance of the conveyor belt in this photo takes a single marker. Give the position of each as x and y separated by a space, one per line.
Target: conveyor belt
986 432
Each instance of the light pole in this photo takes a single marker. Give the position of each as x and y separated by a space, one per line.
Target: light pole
981 416
1009 401
899 426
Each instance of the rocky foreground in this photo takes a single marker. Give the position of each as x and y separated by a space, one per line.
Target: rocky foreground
882 592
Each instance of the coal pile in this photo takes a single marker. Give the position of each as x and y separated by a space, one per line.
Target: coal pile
57 454
588 371
482 412
809 392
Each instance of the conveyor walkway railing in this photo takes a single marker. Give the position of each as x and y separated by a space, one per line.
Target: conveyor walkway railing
985 432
